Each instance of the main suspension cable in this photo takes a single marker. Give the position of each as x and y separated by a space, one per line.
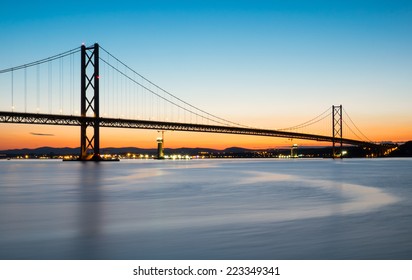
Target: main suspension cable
159 96
356 126
41 61
309 122
172 95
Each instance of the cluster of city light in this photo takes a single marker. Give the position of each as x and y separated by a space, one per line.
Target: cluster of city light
128 156
174 157
289 156
23 157
147 156
113 156
387 152
69 157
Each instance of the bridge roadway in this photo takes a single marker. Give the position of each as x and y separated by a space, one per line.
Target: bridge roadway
50 119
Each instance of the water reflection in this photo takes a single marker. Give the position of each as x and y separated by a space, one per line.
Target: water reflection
90 213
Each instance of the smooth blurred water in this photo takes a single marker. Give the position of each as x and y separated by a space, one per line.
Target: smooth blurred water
206 209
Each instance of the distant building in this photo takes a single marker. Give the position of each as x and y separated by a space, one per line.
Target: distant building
294 151
160 152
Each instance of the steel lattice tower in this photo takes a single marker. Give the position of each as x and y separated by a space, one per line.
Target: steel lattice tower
89 83
336 128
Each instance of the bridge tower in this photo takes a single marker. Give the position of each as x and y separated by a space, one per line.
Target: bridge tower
89 90
336 129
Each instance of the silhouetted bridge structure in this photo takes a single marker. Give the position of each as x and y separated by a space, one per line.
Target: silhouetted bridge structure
90 119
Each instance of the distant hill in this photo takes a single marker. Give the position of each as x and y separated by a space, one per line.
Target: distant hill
237 150
404 150
42 151
109 150
121 150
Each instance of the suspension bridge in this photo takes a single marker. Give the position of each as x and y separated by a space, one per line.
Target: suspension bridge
114 95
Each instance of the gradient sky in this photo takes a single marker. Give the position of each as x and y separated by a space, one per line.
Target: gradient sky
267 64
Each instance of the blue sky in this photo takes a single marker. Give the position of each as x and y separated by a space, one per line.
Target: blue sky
263 63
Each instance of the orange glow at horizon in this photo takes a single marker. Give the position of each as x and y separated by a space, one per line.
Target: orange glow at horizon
18 136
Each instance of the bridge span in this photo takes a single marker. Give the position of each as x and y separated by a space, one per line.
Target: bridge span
51 119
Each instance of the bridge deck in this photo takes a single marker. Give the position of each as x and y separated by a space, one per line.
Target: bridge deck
50 119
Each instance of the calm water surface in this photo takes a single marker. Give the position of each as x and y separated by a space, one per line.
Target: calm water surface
206 209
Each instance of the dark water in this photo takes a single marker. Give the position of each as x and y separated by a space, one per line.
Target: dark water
206 209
